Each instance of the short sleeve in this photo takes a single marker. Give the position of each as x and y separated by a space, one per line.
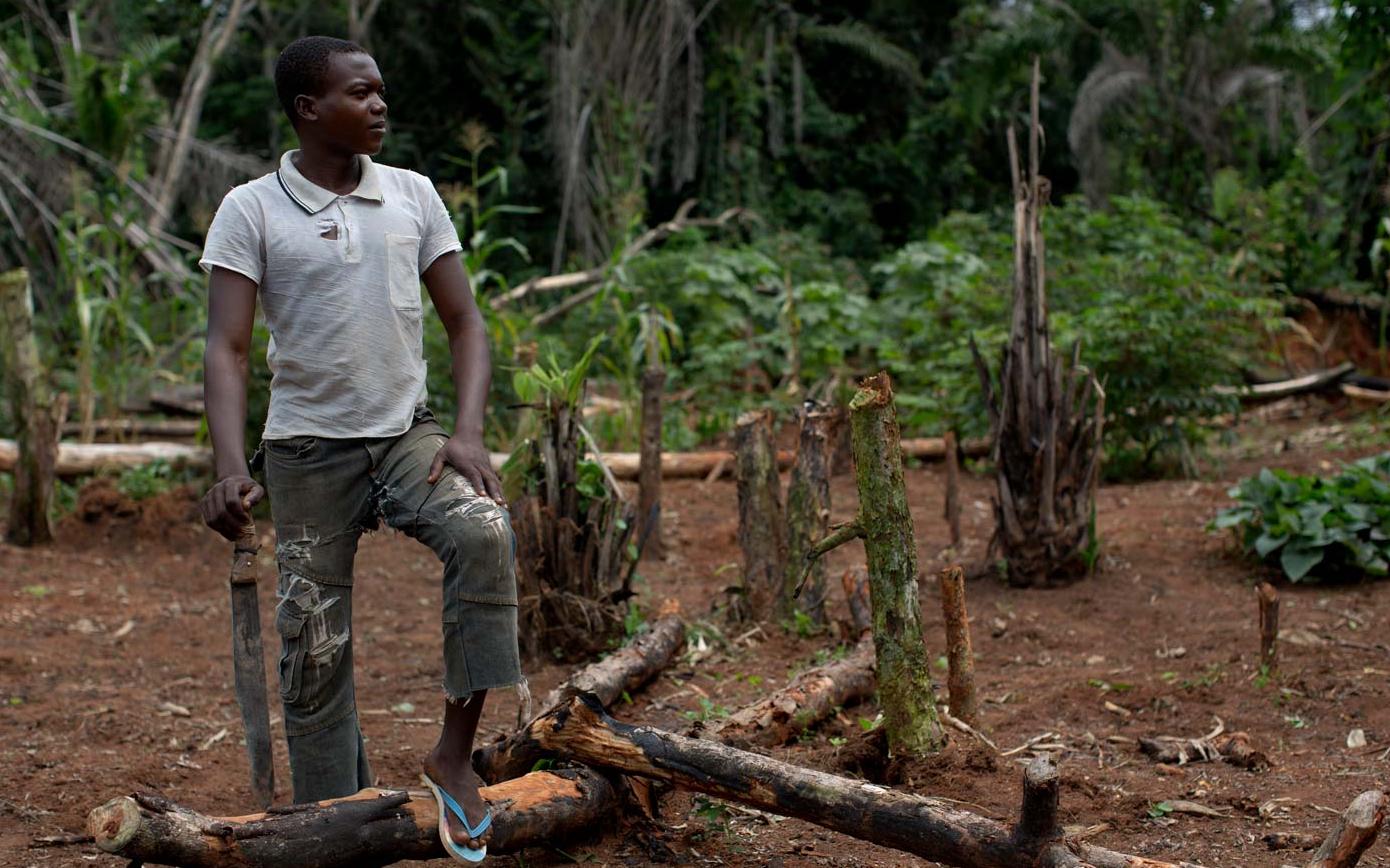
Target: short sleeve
438 236
236 239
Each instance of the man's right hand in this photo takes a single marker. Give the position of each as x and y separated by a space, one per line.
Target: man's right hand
227 505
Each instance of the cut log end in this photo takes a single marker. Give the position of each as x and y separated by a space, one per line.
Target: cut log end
1354 833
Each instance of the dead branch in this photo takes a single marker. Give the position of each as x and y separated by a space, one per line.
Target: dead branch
1269 626
623 671
681 221
1234 748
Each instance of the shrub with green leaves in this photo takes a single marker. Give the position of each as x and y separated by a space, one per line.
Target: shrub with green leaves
1314 528
1160 319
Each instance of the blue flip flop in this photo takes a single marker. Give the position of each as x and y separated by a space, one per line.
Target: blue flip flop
444 800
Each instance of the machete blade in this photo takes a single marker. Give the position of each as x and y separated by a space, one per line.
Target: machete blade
248 666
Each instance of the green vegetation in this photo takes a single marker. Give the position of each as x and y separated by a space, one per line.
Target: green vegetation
1208 161
1316 529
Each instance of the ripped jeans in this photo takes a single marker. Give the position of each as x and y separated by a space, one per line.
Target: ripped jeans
323 494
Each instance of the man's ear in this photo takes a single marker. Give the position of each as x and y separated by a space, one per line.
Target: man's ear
306 107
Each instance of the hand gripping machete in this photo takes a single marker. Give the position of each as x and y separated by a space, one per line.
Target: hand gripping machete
248 664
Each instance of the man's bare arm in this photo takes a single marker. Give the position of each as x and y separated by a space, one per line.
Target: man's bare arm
447 284
231 312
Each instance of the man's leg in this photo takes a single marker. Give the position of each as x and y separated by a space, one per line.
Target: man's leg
319 494
473 538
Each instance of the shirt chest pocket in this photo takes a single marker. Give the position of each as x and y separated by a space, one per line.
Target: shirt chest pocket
403 270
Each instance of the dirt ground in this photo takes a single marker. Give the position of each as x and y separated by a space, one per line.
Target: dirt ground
115 676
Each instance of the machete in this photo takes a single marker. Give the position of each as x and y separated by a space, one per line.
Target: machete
248 664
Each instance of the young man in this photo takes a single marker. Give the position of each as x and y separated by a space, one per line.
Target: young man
335 247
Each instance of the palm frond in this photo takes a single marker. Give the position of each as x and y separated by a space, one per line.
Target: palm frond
868 44
1112 81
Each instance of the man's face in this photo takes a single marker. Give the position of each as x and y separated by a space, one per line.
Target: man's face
351 113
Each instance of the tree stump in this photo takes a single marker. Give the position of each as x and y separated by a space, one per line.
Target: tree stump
808 515
761 532
1046 416
373 827
35 413
885 525
649 472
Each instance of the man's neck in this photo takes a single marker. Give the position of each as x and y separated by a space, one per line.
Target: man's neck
330 169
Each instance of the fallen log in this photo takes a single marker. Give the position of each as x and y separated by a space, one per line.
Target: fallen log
1354 833
810 698
373 827
1313 382
77 459
138 428
621 672
930 828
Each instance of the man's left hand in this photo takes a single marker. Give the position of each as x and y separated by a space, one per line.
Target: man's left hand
471 459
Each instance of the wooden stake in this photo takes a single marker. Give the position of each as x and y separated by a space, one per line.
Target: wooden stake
808 514
649 472
34 412
953 489
960 681
1354 833
761 531
372 827
1269 626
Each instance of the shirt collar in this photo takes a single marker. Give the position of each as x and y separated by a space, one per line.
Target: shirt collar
313 198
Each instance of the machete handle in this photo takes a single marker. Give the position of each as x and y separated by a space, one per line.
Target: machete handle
248 545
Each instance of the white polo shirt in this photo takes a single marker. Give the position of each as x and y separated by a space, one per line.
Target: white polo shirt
339 280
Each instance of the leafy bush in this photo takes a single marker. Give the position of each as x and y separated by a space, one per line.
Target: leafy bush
1160 319
1316 528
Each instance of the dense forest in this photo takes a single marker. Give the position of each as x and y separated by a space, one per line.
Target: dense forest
1210 162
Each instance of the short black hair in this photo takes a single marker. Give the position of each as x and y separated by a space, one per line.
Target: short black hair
303 68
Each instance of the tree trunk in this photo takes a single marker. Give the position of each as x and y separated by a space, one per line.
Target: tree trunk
190 109
904 667
1045 416
812 697
761 533
373 827
808 515
960 681
623 671
924 826
33 406
649 471
1355 832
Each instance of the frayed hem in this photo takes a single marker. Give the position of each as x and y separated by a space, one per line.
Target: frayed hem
523 695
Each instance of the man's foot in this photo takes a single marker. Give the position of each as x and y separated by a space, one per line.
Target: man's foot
458 779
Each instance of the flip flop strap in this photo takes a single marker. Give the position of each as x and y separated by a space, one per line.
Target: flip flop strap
457 810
